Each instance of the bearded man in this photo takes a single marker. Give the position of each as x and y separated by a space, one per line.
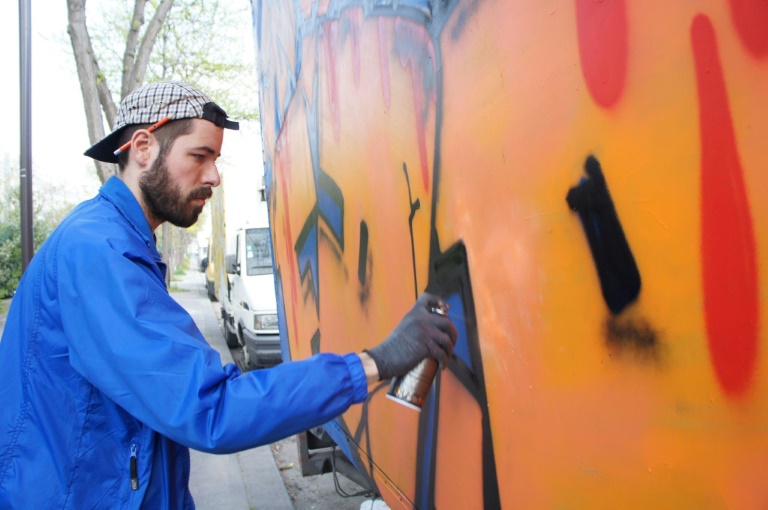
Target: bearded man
107 381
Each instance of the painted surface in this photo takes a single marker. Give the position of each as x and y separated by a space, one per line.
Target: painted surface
586 182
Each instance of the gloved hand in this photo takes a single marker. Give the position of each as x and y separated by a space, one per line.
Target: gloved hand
419 334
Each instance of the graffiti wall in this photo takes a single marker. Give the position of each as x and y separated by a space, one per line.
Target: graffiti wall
586 182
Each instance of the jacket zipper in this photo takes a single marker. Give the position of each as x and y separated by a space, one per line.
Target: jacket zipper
134 469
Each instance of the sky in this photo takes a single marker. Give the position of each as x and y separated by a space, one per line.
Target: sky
59 131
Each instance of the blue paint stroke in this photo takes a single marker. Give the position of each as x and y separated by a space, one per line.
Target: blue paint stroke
277 106
456 313
282 326
330 211
430 441
308 259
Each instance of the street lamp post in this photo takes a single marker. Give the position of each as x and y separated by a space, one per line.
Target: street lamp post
25 135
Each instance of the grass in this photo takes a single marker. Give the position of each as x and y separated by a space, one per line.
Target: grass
181 269
183 266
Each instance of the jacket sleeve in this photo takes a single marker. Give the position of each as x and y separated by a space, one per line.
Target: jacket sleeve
133 342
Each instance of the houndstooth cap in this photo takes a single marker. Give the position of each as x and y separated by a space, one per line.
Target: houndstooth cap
154 102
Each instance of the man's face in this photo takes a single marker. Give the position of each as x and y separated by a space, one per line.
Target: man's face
179 182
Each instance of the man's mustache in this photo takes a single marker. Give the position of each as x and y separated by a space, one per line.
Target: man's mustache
204 193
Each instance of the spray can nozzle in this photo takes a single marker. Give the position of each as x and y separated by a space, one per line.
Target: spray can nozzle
441 309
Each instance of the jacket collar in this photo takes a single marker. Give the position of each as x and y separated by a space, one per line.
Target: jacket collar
116 192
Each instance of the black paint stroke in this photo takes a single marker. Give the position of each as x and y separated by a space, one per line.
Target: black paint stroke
414 206
306 271
314 343
633 335
449 275
365 466
616 267
362 259
330 195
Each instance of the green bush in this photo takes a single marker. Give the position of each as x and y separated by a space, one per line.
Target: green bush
45 220
10 253
10 260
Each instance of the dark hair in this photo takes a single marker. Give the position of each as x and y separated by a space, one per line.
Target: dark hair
166 135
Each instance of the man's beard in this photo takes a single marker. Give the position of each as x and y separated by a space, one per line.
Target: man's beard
164 200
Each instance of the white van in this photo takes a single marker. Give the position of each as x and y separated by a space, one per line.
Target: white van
251 314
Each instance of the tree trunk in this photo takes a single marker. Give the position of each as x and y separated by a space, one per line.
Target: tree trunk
90 76
165 252
129 56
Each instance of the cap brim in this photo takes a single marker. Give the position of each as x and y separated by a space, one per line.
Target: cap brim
104 149
232 124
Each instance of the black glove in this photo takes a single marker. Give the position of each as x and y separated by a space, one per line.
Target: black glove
419 334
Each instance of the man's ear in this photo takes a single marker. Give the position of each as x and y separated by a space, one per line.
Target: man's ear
143 146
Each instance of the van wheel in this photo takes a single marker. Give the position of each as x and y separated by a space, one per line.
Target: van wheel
231 338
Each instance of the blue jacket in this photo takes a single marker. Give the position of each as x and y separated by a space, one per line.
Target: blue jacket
106 380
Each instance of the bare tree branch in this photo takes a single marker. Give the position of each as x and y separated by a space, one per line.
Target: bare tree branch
148 42
107 103
91 79
129 57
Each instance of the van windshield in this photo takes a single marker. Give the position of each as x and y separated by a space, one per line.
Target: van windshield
258 256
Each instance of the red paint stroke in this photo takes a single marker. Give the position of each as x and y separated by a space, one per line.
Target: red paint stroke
355 21
602 33
386 87
283 173
415 50
330 38
729 269
751 20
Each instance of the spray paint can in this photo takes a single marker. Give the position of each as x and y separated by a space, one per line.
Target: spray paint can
411 389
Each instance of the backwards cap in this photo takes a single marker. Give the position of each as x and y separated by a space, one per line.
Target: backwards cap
154 102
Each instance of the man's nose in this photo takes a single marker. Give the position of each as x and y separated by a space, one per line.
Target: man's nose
211 175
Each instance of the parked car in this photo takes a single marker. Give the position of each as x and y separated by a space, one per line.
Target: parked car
250 314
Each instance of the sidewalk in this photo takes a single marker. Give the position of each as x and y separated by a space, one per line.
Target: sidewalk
245 480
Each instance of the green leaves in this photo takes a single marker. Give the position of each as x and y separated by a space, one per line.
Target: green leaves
46 217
